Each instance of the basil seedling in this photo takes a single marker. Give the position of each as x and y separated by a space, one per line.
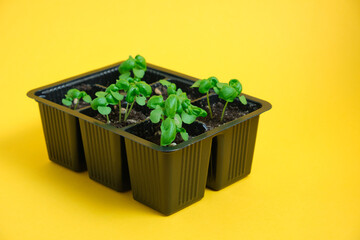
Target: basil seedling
136 65
173 112
73 96
112 97
204 86
136 91
170 87
101 105
229 92
131 72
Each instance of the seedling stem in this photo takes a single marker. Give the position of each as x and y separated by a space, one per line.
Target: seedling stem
128 113
222 115
119 111
208 101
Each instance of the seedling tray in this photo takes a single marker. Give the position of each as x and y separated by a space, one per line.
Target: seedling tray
164 178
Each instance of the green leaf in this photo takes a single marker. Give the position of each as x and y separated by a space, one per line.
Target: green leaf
228 93
184 134
199 112
144 88
130 98
178 121
136 90
82 94
111 100
171 106
187 118
124 76
117 96
140 100
155 101
66 102
87 99
216 90
140 61
155 115
139 73
220 85
243 100
171 89
165 83
100 101
104 110
179 92
205 86
100 94
202 113
214 81
168 131
180 108
196 84
235 95
236 85
74 93
132 93
186 103
127 65
112 88
123 84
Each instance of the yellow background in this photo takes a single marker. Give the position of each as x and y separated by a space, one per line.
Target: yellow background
303 56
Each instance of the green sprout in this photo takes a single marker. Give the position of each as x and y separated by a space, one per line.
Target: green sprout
111 96
73 96
131 73
204 86
229 92
136 65
101 105
136 91
170 87
172 112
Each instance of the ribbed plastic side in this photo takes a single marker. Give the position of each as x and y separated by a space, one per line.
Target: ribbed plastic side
239 150
105 156
190 173
145 174
231 159
63 138
168 181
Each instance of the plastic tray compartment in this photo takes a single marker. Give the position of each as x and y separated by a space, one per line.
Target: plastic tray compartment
61 124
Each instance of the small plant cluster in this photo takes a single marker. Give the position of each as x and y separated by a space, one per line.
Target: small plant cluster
131 73
73 97
226 91
172 112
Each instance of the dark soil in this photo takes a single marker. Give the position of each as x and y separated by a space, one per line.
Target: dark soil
134 117
159 90
80 105
84 87
233 111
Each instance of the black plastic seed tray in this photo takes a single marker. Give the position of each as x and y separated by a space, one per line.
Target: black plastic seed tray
165 178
